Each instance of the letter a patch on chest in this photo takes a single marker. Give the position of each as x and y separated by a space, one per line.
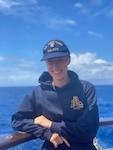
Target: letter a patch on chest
76 103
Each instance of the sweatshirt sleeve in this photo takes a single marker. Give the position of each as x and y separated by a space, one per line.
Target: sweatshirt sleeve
86 126
23 119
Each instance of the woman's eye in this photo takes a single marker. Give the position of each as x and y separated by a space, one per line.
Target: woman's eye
60 61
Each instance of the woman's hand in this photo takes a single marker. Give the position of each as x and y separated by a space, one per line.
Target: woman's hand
43 121
56 139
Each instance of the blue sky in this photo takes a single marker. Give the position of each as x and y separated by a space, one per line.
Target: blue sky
86 26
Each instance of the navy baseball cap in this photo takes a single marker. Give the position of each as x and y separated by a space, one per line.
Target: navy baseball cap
55 48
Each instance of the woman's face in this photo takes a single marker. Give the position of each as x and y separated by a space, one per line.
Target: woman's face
57 67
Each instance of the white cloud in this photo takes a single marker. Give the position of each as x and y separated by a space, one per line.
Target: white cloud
6 4
54 21
13 76
87 58
71 22
105 8
82 8
95 34
110 13
1 58
65 21
95 8
78 5
11 3
96 2
86 65
32 12
91 68
101 12
23 76
100 61
18 72
17 7
24 63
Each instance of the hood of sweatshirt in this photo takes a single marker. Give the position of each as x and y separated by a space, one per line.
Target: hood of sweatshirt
46 80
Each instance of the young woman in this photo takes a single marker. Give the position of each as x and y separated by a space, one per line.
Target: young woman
62 109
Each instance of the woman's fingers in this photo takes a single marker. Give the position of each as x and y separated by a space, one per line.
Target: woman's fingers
43 121
66 142
56 139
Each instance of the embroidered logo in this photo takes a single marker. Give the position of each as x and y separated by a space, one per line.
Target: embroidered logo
52 44
76 103
50 47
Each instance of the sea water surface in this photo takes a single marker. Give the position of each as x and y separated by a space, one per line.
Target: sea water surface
10 98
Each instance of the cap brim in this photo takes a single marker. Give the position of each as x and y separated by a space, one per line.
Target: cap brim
54 55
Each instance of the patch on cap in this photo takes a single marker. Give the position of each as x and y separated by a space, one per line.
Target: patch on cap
55 48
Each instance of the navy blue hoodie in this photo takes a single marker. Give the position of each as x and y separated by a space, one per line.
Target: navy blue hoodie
72 109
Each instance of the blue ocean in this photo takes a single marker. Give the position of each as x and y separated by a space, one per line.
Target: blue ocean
10 97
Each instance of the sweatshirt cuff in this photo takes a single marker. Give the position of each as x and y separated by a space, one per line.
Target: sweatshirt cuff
57 127
46 135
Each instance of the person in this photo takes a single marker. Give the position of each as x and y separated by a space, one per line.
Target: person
62 110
